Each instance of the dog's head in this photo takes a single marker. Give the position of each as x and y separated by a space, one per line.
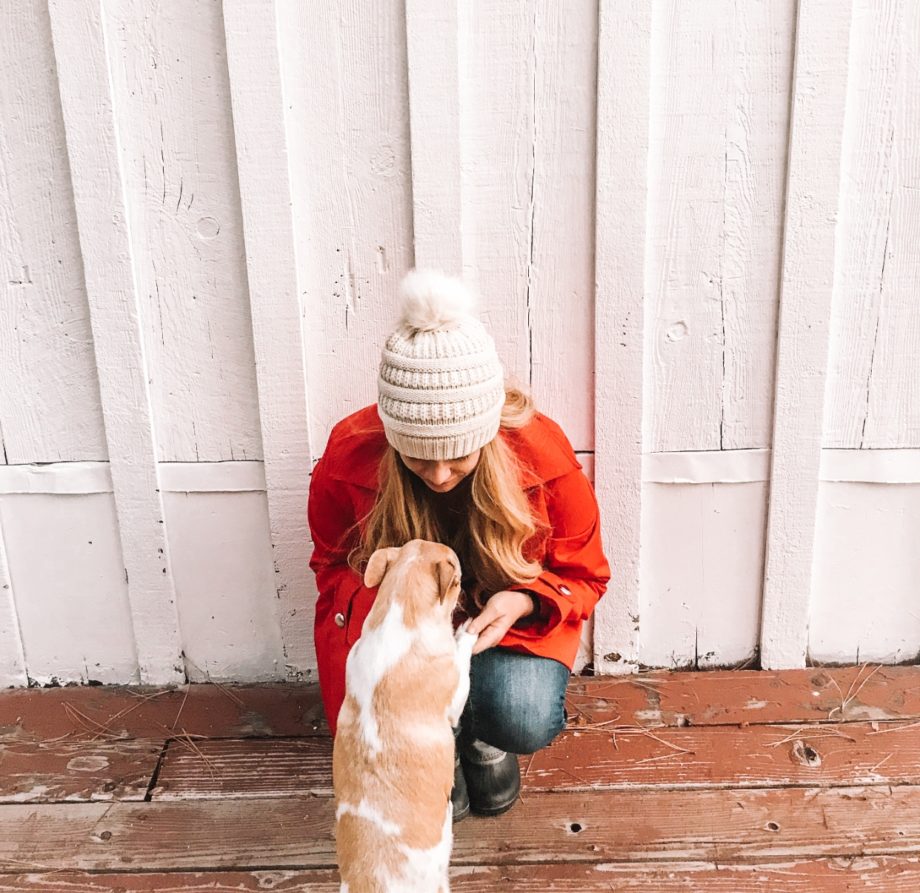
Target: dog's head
423 576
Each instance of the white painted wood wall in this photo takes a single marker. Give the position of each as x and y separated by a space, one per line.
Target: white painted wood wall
696 227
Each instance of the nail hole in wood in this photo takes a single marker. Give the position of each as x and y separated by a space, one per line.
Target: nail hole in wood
805 754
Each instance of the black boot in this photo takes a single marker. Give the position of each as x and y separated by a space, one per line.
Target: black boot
493 777
459 797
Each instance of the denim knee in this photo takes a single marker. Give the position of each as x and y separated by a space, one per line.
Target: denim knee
517 701
525 733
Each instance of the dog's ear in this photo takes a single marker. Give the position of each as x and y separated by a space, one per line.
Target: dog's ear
377 566
448 578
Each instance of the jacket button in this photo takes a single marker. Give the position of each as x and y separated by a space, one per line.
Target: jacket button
565 590
339 620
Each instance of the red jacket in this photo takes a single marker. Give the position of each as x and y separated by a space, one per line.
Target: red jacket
575 571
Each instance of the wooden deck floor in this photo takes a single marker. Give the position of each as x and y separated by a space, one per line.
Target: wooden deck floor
725 782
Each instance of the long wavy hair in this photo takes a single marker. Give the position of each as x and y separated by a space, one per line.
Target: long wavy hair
496 527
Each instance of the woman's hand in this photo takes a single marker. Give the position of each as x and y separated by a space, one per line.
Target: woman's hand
501 611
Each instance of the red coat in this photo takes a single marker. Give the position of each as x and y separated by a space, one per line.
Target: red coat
575 571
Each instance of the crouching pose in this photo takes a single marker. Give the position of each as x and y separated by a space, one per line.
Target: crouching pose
451 454
406 681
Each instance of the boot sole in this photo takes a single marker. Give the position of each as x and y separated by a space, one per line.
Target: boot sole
494 810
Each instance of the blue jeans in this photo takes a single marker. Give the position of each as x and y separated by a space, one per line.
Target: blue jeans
516 702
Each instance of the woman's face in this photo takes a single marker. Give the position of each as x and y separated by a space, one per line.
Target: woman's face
442 475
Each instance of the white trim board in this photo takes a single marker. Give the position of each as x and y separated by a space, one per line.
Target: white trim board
900 466
64 478
706 467
212 477
80 478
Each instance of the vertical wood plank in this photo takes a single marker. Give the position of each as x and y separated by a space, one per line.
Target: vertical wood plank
812 201
624 47
702 573
865 532
560 271
719 136
864 604
265 191
434 125
873 383
350 169
108 261
895 412
170 85
222 555
49 395
64 555
497 71
528 89
12 660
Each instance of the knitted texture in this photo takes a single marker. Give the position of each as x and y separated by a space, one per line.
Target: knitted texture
441 387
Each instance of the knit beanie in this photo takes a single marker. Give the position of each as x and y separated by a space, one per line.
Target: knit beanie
441 386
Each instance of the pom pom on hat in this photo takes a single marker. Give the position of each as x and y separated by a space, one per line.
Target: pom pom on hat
429 300
440 390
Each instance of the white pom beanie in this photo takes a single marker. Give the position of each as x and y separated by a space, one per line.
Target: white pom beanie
441 386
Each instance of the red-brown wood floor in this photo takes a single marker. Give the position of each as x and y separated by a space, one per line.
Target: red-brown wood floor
725 781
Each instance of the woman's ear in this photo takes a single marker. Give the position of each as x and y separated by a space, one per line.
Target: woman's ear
377 566
448 578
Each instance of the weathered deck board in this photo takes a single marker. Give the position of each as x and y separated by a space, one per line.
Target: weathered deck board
888 874
146 712
703 757
102 770
728 756
293 710
636 826
728 697
736 697
246 768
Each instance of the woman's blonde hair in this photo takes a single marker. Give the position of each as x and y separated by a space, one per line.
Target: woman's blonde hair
492 537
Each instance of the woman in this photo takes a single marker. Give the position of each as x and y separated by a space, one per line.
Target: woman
449 453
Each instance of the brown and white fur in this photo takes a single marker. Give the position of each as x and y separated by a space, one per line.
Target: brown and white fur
406 681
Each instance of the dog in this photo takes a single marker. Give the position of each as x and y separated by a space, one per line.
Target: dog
406 683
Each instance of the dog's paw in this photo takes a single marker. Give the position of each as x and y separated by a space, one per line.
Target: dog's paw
465 641
462 635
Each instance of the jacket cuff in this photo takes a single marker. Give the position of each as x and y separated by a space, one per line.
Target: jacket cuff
554 608
536 610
